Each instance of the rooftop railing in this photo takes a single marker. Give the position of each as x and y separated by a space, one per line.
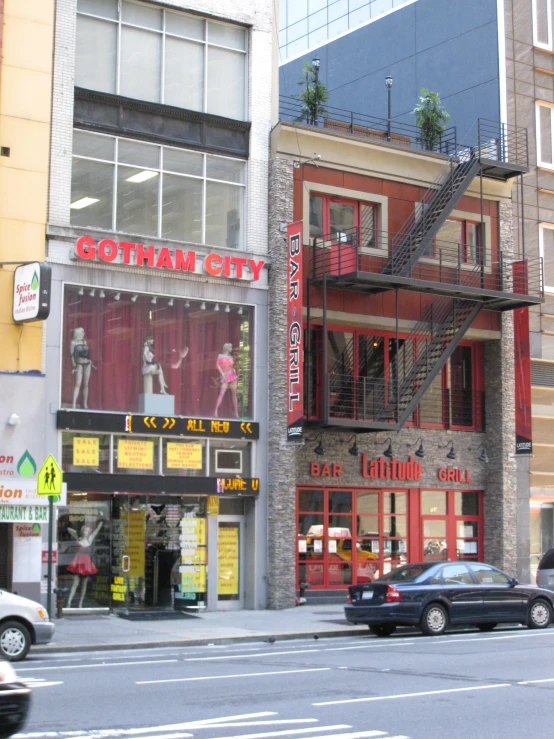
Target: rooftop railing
364 126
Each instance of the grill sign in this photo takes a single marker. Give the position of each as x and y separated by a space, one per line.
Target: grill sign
31 292
295 380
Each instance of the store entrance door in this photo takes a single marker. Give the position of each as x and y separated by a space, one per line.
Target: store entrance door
230 562
152 560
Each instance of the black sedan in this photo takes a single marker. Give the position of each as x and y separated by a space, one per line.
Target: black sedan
15 700
433 596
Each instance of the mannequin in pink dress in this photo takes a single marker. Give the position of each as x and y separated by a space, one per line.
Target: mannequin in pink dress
82 566
228 378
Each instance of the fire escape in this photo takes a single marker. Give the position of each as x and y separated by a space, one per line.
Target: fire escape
385 397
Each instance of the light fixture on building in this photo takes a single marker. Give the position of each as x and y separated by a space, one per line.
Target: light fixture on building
216 307
83 203
451 454
134 299
102 294
170 302
353 450
420 451
388 453
92 293
319 450
202 305
154 300
117 296
14 420
143 176
316 63
227 309
240 311
376 344
187 304
81 291
483 457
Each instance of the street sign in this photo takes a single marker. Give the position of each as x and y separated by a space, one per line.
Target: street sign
50 478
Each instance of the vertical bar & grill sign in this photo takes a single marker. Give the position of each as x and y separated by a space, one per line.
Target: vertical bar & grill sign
295 363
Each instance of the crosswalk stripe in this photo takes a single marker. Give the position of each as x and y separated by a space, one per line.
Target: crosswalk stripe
288 732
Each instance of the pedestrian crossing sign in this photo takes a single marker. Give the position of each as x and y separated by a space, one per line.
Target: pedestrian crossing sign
50 478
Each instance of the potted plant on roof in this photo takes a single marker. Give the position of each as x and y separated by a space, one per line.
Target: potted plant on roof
314 96
431 117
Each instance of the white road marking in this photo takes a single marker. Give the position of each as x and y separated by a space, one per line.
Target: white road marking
381 645
412 695
534 682
107 664
356 735
39 682
477 638
228 677
244 656
288 732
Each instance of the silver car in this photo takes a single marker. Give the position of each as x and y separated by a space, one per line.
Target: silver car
23 622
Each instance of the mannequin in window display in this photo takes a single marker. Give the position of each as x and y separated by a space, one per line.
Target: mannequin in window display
151 368
182 354
82 365
227 377
82 567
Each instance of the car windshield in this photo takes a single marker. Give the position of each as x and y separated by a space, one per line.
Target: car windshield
408 573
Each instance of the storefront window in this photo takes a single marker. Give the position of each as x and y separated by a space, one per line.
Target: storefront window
137 456
85 453
184 458
84 538
119 347
433 503
230 458
160 191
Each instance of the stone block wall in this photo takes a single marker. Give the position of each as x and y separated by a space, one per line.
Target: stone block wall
281 488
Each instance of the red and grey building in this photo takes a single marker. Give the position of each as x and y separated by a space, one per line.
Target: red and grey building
393 437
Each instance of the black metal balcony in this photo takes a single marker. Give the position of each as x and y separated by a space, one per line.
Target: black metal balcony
363 260
502 149
366 403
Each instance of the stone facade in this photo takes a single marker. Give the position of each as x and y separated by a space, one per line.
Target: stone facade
281 488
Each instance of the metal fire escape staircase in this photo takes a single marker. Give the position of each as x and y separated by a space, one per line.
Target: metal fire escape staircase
389 401
417 234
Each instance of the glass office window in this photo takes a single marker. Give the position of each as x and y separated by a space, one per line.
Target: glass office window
204 63
202 196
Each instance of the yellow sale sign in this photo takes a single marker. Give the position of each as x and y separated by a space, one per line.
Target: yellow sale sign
133 454
184 456
86 451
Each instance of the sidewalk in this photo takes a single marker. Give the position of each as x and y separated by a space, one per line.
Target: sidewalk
91 632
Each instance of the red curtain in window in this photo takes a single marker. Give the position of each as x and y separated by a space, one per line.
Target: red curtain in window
116 331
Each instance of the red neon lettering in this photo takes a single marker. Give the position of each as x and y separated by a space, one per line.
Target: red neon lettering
86 247
336 469
209 265
185 262
239 263
227 266
256 268
442 475
164 258
107 250
147 253
314 469
325 471
127 247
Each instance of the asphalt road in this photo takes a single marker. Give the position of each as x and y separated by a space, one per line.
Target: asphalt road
464 684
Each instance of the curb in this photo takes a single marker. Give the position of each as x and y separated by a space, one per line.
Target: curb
207 641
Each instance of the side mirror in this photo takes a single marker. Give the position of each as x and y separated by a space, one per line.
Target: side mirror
513 582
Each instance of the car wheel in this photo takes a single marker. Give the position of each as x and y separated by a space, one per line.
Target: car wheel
382 629
434 620
15 641
486 627
540 614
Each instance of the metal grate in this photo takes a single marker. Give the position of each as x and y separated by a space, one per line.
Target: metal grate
542 374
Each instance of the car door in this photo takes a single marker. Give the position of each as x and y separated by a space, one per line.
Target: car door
501 601
462 592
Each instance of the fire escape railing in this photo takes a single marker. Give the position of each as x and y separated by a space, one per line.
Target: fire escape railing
364 250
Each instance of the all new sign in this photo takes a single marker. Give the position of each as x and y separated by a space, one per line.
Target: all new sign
31 292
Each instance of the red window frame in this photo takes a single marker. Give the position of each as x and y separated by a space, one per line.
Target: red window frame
359 570
357 204
466 223
477 377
